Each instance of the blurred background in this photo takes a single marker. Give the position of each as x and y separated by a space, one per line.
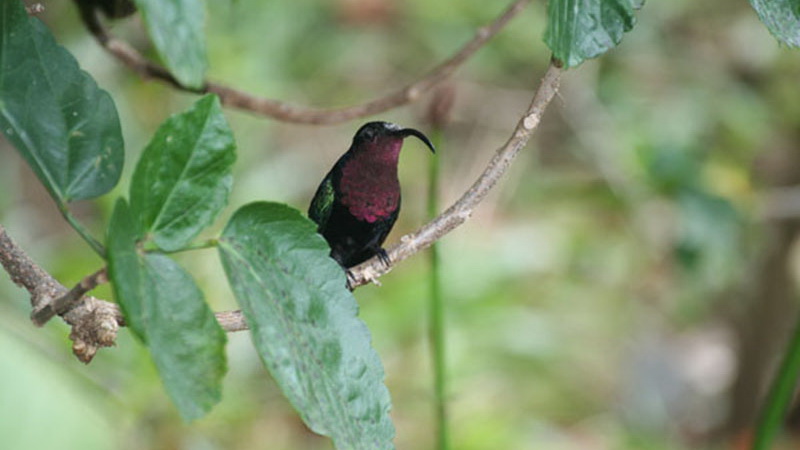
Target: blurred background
629 285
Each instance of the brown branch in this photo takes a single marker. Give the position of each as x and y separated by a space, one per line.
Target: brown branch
288 112
462 209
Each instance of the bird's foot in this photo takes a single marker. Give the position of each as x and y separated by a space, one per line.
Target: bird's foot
384 257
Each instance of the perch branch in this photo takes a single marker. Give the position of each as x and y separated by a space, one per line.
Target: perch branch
288 112
462 209
95 322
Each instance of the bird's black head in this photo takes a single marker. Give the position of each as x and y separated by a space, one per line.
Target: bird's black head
374 131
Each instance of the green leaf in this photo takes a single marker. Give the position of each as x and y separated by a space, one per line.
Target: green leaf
782 18
304 324
124 266
65 127
184 177
176 29
581 29
166 310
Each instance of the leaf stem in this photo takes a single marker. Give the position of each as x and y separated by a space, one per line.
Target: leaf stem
208 243
436 330
780 394
77 226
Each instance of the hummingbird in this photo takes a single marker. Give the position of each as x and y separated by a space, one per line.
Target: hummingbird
358 201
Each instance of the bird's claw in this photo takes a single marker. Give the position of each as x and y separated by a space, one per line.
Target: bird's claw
384 257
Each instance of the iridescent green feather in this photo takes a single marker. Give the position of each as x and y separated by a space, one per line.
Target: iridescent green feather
320 209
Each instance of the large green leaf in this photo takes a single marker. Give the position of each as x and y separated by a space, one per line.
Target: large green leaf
65 127
176 29
304 324
183 178
581 29
164 307
782 18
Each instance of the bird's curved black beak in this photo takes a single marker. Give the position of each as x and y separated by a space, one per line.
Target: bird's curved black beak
405 132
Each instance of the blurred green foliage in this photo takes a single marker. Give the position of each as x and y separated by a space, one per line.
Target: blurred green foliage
592 300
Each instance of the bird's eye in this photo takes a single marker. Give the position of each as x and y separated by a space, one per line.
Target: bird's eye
367 135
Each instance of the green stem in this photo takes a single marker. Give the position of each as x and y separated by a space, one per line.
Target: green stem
436 328
94 243
210 243
780 395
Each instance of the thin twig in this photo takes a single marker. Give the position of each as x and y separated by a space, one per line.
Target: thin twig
95 322
288 112
67 301
462 209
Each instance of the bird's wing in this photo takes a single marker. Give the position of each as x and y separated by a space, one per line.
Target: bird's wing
321 206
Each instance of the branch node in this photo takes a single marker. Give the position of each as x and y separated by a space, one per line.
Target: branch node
412 93
94 325
34 9
41 296
531 121
69 300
